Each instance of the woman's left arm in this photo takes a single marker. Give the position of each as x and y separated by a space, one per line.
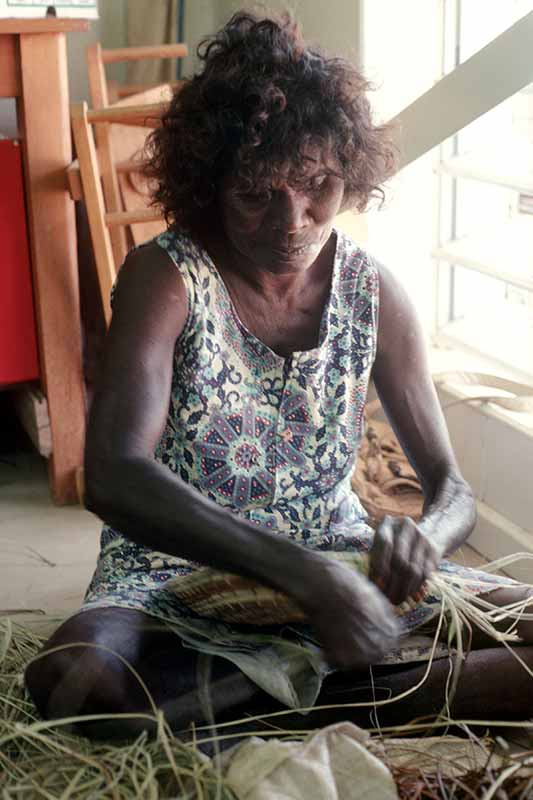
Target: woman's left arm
405 552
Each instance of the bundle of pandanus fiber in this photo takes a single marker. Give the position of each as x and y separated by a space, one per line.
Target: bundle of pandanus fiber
40 759
232 598
513 782
44 759
383 479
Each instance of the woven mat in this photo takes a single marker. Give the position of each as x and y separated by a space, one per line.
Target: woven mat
383 479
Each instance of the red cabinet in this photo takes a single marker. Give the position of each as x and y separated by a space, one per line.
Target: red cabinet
18 341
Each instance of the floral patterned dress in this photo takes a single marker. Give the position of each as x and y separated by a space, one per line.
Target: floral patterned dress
272 439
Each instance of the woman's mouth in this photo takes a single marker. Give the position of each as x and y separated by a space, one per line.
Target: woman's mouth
292 252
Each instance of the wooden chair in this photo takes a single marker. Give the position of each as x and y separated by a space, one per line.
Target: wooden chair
103 94
85 180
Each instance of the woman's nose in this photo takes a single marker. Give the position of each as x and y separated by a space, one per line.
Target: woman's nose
290 210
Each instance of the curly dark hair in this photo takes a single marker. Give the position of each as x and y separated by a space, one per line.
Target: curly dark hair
261 98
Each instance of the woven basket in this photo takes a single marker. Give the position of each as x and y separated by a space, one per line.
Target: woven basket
231 598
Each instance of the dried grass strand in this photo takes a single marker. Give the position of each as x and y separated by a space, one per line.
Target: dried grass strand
147 770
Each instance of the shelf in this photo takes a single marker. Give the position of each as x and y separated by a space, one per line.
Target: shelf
505 253
44 25
512 175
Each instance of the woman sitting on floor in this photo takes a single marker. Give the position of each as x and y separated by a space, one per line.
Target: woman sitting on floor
226 425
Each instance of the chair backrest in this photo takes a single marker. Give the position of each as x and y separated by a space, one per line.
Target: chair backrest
104 92
102 219
101 97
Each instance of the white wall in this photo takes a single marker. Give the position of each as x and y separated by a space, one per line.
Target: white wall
109 29
336 29
201 20
334 25
495 454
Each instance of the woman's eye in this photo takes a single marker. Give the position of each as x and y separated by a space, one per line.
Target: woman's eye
317 182
254 198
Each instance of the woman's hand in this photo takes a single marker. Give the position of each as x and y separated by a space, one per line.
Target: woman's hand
353 621
402 558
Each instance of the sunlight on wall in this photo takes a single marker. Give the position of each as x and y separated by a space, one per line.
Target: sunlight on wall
401 45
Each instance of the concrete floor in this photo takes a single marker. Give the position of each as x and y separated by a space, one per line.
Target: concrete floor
47 553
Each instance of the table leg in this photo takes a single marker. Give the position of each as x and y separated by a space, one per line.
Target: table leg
45 121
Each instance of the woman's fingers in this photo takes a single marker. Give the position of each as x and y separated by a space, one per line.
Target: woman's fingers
427 557
418 573
402 558
401 565
381 554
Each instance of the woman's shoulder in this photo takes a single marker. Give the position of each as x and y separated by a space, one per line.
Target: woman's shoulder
148 275
149 309
182 247
357 265
164 261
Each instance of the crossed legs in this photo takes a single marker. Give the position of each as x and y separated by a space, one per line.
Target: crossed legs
79 680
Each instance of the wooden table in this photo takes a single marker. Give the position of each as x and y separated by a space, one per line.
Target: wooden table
33 69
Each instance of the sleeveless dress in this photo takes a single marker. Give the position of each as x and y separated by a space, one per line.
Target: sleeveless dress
274 440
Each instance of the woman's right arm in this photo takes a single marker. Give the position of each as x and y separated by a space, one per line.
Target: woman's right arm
145 500
124 484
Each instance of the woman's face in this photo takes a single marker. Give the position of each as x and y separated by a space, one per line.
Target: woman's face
284 229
